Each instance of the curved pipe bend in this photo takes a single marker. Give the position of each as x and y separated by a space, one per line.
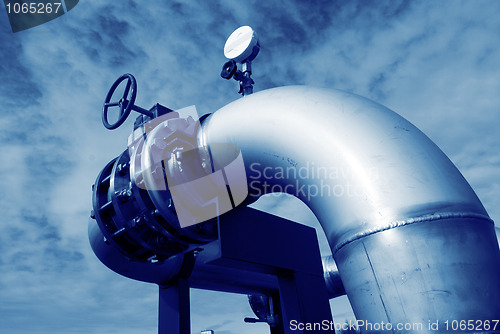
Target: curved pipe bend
410 237
412 241
359 166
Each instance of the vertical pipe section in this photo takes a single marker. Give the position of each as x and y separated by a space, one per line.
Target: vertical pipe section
412 241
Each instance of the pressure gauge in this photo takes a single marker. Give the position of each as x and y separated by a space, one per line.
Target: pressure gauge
242 45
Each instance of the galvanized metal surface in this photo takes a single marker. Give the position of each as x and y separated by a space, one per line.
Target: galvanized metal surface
411 239
370 166
366 173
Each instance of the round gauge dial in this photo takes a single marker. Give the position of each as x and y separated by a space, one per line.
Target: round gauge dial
242 45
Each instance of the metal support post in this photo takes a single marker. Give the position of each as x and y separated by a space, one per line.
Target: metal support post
174 311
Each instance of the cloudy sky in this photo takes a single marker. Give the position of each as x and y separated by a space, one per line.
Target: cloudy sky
437 63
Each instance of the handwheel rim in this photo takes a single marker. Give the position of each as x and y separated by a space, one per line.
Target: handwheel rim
125 108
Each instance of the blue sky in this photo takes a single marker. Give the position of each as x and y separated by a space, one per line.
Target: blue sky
437 63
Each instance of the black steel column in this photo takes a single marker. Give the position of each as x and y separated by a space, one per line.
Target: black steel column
304 300
174 311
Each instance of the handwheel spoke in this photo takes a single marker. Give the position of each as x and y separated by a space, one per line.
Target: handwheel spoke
123 107
127 89
111 104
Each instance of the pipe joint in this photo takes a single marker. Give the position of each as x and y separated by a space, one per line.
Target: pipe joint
443 217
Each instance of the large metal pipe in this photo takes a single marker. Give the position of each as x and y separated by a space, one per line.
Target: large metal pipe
203 276
412 241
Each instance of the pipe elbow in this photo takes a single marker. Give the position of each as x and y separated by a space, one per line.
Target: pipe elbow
359 166
412 241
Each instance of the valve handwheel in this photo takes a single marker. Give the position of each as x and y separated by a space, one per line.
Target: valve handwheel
228 70
126 103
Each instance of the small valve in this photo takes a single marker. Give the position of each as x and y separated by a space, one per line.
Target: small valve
263 308
126 103
242 47
229 69
270 320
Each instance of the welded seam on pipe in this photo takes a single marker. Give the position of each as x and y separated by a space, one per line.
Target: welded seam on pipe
399 223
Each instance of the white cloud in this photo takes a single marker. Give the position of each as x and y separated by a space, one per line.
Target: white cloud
434 63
